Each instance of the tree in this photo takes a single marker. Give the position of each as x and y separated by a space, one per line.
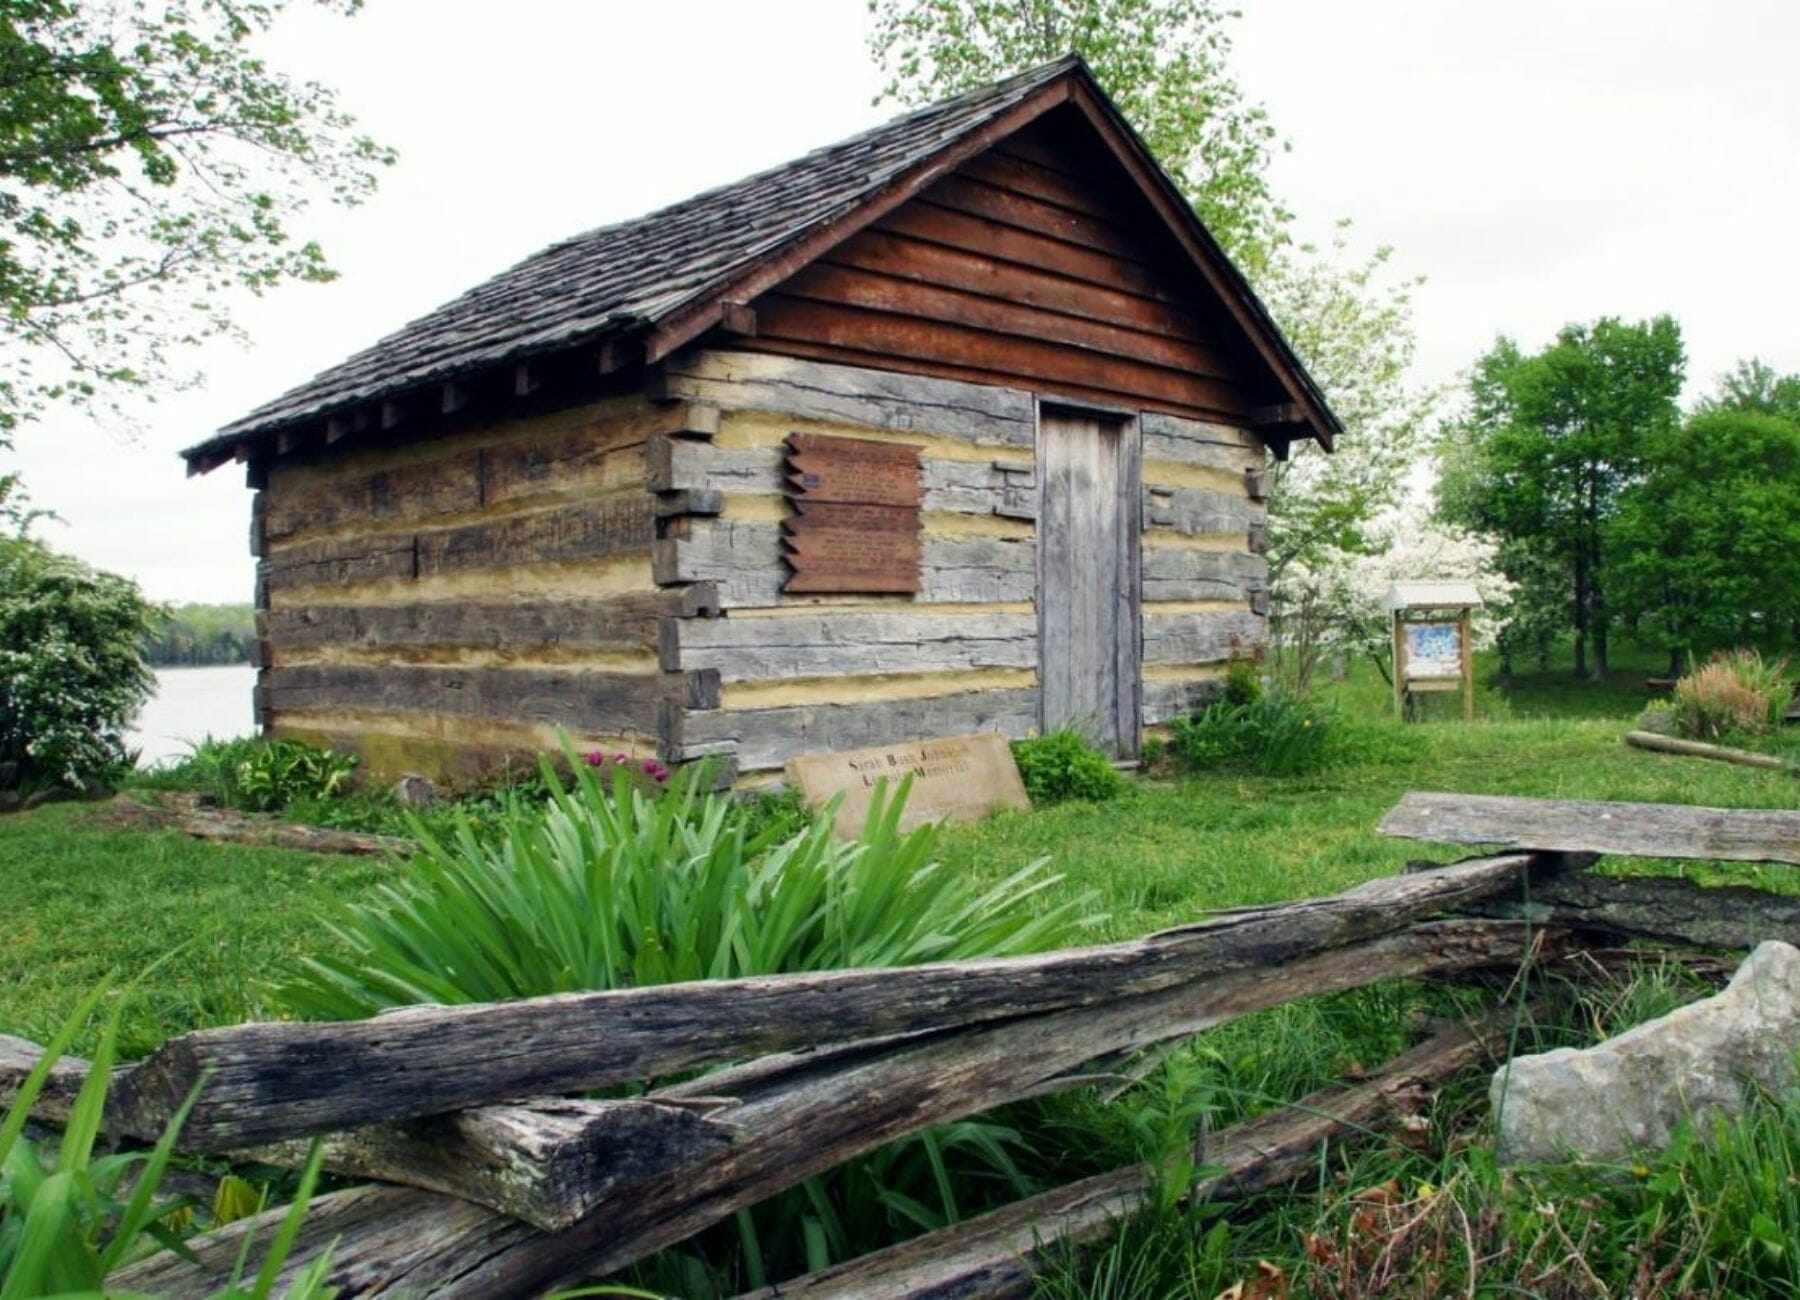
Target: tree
1754 385
150 164
1548 446
1166 63
1163 61
1707 544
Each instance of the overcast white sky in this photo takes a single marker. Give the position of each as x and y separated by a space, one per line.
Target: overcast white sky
1540 161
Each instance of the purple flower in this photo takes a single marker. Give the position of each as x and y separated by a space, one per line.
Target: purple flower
594 758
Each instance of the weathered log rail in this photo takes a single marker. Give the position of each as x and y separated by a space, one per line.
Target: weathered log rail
491 1181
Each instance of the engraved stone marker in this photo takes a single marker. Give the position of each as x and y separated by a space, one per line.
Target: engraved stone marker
960 778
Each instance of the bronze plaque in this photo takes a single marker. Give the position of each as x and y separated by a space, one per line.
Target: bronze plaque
855 526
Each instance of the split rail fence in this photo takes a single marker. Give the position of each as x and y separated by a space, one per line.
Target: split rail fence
487 1177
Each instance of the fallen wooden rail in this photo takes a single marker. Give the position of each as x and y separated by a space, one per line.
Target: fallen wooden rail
995 1255
493 1182
266 1082
1700 749
221 826
1650 830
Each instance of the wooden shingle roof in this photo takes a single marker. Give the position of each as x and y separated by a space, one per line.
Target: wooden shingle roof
662 270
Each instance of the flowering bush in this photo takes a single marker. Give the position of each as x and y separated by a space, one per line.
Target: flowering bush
1733 693
72 674
646 769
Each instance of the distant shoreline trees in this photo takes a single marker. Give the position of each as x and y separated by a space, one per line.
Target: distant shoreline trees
1615 513
196 636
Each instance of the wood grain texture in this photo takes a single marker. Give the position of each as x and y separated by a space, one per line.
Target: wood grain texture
574 698
1199 511
1166 700
1201 638
853 523
1649 830
1180 574
995 1255
274 1081
618 525
764 739
857 395
628 621
851 644
1661 910
1083 552
799 1115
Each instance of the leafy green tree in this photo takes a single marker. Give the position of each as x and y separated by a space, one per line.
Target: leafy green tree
1163 61
71 672
1167 64
1755 385
150 163
1707 544
1549 445
203 634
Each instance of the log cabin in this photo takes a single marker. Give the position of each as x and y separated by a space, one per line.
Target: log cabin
958 425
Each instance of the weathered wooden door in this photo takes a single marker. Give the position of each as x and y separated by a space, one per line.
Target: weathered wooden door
1087 577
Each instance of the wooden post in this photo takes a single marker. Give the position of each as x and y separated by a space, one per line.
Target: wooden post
1399 665
1468 665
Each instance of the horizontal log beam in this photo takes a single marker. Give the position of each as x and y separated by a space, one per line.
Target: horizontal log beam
1645 830
547 1163
1661 910
996 1255
265 1082
799 1115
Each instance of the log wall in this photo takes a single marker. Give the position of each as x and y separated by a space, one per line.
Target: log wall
801 673
446 606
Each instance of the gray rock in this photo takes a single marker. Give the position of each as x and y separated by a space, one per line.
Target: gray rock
414 791
1628 1094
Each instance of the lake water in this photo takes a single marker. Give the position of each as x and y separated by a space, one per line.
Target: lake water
191 704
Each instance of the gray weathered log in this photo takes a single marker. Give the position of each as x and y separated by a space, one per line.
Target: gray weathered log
1192 442
619 524
546 1162
271 1081
1201 638
1181 574
1700 749
1645 830
609 703
800 1114
19 1057
1659 909
627 621
902 640
990 487
219 826
995 1256
764 739
1198 511
876 399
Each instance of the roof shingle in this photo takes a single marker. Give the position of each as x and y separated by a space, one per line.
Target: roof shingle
627 276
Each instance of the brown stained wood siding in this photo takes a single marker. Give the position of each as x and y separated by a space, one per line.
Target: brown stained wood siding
1031 267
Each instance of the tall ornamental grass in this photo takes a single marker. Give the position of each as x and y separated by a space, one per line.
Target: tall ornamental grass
1736 692
608 886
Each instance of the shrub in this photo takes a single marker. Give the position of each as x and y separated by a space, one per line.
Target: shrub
71 672
1062 765
609 886
257 775
1276 733
606 886
1734 692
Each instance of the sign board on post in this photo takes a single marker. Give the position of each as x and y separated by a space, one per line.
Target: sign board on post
960 778
1434 651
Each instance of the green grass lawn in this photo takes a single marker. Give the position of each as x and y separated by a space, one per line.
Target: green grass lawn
82 901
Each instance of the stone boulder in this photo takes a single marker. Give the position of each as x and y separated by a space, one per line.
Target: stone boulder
1627 1094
